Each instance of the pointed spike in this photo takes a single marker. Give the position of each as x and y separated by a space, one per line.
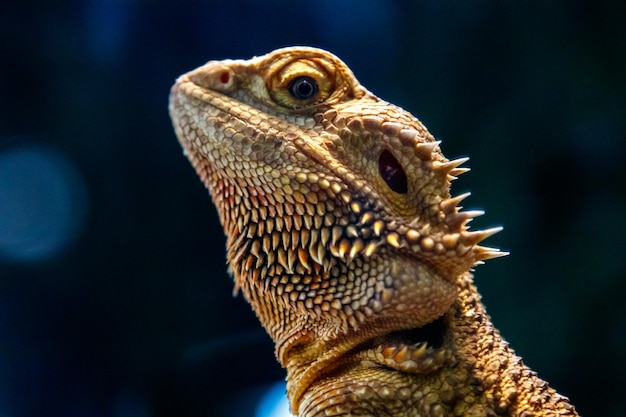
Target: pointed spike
251 230
425 149
351 231
258 265
303 258
472 238
304 237
336 234
344 247
470 214
255 248
389 351
366 218
443 169
313 253
241 251
297 221
420 350
356 207
260 230
320 254
357 247
370 248
458 171
484 253
278 223
318 220
456 220
300 269
325 235
282 258
402 355
378 227
286 239
308 222
392 239
314 237
267 243
291 260
295 238
276 240
288 221
448 205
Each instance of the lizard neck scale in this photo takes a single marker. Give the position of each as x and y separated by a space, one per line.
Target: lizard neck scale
343 236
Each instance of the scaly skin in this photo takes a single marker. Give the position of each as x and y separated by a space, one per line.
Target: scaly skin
343 236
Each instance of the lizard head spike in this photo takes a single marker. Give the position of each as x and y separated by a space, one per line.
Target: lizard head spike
484 253
472 238
443 169
425 149
450 204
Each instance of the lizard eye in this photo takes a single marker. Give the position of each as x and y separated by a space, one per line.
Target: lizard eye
392 173
302 83
303 87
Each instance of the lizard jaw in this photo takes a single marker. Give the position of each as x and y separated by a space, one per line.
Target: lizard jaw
420 350
404 336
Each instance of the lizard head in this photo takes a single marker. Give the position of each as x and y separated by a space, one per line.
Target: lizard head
341 230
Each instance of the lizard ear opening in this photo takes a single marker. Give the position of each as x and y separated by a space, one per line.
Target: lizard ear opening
392 173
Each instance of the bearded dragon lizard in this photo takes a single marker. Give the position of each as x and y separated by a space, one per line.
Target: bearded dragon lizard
344 238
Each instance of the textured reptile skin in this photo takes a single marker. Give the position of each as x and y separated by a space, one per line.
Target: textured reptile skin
344 238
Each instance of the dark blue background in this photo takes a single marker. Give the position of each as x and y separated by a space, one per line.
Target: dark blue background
114 300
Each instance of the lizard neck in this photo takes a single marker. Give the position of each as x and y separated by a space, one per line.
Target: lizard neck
482 376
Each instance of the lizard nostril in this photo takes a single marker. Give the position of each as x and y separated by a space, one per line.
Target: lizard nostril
391 171
225 77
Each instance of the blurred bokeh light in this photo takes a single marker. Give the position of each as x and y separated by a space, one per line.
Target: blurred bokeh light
43 203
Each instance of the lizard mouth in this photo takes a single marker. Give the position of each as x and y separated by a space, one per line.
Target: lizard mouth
418 350
432 334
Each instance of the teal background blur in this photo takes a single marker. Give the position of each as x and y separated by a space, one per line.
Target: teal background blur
114 298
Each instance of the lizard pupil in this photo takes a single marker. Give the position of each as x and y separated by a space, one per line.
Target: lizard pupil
392 173
303 87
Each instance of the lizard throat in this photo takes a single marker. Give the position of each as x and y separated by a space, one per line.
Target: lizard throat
416 351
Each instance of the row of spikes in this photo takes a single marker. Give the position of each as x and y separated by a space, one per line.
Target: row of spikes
309 248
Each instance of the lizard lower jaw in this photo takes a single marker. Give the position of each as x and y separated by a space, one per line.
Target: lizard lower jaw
416 351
